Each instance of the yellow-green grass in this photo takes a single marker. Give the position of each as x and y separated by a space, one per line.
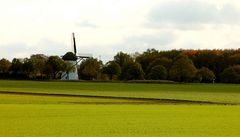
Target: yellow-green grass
57 113
221 93
41 120
51 99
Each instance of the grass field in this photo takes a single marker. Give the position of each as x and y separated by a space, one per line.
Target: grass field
222 93
119 121
141 114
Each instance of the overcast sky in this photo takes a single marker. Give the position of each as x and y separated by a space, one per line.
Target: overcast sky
105 27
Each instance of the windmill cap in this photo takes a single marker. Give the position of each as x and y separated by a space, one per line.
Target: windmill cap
69 56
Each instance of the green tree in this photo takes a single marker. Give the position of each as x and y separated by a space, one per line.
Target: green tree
112 69
54 66
205 75
231 74
38 62
121 58
132 71
158 72
4 68
89 69
182 70
165 62
234 59
27 67
17 69
146 58
17 66
4 65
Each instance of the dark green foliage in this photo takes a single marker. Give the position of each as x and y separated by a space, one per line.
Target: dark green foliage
178 65
53 66
89 69
27 67
158 72
231 75
70 56
17 69
112 69
4 65
4 68
17 66
146 58
234 59
205 75
163 61
182 69
136 72
38 62
132 71
121 58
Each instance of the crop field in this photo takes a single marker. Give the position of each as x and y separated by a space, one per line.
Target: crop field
81 109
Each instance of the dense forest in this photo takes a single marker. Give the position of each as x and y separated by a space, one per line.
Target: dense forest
205 66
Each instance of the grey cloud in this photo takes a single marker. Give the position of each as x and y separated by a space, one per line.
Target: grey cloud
153 39
22 50
192 14
131 44
12 50
51 47
142 42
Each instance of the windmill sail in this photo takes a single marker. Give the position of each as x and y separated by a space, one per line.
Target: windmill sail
74 44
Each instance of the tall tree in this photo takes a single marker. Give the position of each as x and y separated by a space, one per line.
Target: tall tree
205 75
158 72
38 61
17 66
146 58
4 68
17 69
132 71
121 58
165 62
4 65
54 66
231 74
89 69
28 68
112 69
182 69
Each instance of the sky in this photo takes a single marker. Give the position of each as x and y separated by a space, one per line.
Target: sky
105 27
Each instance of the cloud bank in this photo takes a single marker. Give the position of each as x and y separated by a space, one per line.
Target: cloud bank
190 14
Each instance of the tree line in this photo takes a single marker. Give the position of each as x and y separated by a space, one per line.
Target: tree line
38 66
204 66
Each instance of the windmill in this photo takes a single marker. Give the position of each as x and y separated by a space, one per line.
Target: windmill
73 59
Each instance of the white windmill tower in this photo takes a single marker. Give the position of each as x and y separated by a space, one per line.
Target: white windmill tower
73 59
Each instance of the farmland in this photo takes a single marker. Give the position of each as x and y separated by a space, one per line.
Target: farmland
61 109
221 93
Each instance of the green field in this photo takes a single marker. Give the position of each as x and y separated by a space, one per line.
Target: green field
137 110
222 93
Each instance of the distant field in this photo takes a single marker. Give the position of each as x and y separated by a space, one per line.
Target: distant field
81 109
221 93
